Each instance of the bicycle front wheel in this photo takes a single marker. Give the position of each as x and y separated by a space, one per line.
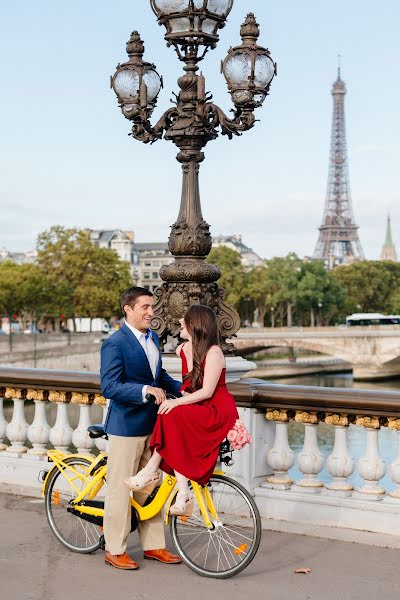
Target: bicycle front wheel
232 542
71 530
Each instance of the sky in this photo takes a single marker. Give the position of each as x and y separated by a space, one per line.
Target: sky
66 158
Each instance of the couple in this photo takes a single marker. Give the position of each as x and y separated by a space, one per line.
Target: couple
180 436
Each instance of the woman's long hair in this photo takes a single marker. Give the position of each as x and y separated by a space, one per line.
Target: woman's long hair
201 323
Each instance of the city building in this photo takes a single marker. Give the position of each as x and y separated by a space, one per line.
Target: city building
149 258
21 258
248 256
388 251
146 259
116 239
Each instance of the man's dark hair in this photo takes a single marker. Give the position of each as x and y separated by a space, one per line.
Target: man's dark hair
131 295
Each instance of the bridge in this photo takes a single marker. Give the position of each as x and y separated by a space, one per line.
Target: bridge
373 351
322 464
313 511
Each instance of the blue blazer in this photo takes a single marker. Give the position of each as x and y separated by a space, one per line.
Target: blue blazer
124 371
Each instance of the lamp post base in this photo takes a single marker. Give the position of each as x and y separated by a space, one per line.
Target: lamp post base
236 367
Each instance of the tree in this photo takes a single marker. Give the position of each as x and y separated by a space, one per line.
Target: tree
82 280
233 274
370 285
320 295
273 287
283 273
102 300
259 290
11 296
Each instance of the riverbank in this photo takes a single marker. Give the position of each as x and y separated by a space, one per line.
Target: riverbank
306 365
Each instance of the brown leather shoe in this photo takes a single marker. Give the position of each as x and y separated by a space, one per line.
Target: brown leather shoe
121 561
163 555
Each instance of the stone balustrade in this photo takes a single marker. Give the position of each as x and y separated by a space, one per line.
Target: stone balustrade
290 481
294 489
23 446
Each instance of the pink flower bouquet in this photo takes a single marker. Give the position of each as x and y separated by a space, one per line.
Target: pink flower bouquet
238 436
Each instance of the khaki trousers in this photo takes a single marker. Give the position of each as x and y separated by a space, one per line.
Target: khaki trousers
126 456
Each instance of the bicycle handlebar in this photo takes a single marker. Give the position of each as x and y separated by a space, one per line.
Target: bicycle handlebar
152 397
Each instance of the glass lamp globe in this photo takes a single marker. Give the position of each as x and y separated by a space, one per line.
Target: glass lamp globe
136 82
127 84
188 20
249 69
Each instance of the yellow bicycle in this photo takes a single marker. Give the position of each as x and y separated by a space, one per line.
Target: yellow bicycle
219 540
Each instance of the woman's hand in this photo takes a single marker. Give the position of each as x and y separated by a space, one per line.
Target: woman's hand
168 405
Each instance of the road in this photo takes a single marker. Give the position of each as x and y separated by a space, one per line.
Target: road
34 566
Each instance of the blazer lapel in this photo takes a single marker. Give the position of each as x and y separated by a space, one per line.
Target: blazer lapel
137 346
157 343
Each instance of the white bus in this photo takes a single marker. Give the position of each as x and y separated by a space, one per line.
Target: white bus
363 319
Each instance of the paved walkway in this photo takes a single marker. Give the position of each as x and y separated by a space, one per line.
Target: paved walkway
34 566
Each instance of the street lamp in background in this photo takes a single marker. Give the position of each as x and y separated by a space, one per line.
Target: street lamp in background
320 305
272 316
192 28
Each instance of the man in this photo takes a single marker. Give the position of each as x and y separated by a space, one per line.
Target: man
130 370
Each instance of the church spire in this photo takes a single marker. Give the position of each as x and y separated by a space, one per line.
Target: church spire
388 251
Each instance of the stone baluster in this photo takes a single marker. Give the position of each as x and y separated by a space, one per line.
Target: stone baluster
394 470
371 466
39 431
340 464
280 457
310 460
80 437
61 432
3 424
17 429
100 443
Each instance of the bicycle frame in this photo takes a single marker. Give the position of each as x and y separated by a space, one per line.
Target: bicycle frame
89 491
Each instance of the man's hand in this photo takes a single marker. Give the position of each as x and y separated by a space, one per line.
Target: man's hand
158 393
168 405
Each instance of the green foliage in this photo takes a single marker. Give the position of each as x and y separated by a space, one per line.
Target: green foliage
72 277
371 286
13 286
82 279
320 297
233 273
75 278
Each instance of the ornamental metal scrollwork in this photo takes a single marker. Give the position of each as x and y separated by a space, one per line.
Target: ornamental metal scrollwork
15 394
278 415
78 398
56 396
38 395
368 422
338 420
306 417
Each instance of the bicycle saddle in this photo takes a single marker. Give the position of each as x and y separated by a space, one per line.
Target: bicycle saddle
96 431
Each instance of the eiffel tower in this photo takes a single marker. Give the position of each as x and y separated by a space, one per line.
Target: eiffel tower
338 241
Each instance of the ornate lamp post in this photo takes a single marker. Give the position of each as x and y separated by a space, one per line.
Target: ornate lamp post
192 29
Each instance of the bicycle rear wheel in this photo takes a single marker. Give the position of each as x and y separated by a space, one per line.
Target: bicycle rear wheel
232 543
71 530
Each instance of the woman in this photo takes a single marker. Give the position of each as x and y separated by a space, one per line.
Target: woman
190 429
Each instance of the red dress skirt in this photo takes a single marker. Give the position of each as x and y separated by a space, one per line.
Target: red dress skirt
189 437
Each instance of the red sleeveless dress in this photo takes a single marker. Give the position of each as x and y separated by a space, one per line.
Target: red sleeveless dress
188 438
